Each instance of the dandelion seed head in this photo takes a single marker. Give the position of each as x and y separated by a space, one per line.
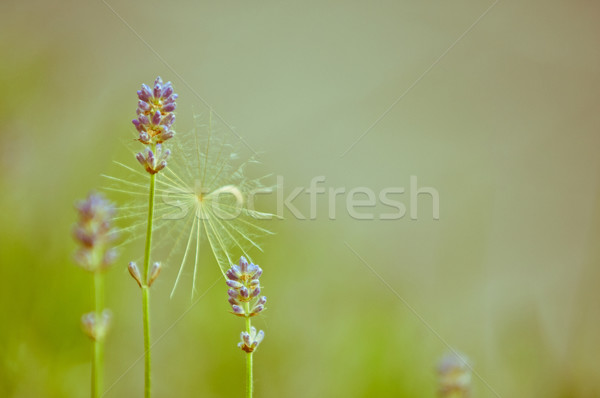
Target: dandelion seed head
204 201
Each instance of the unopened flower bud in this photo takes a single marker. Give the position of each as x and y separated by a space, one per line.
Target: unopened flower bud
237 310
153 274
95 326
234 284
259 308
135 273
250 341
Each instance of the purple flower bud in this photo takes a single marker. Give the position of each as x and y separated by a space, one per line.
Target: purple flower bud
262 301
256 292
137 124
144 106
150 156
144 120
257 309
144 138
156 118
234 284
170 107
167 135
237 310
145 93
243 265
232 301
258 273
143 96
168 120
160 166
167 90
232 293
232 275
85 238
140 157
171 99
252 268
244 292
157 87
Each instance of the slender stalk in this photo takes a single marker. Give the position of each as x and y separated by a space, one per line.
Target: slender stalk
146 290
249 384
98 350
147 353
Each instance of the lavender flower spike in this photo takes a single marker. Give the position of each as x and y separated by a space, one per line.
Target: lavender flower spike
94 232
155 113
244 288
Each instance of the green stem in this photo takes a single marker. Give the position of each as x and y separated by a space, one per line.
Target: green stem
249 384
147 353
98 352
146 291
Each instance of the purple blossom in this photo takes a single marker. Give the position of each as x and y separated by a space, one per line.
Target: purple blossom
94 232
153 162
244 289
155 113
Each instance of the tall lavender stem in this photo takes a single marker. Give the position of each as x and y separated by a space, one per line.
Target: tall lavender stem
94 233
154 122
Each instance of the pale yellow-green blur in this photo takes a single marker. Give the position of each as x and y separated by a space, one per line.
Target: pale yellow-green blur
501 118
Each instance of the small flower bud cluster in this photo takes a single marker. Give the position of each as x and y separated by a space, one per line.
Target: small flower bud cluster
244 289
454 375
95 326
154 123
152 274
153 162
94 233
245 300
251 340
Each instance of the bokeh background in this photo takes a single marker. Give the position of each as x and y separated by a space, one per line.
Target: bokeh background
504 125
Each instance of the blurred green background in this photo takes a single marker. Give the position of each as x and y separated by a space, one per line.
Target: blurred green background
504 126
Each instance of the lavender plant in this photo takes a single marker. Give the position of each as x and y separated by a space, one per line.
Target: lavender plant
95 234
244 290
154 123
454 376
